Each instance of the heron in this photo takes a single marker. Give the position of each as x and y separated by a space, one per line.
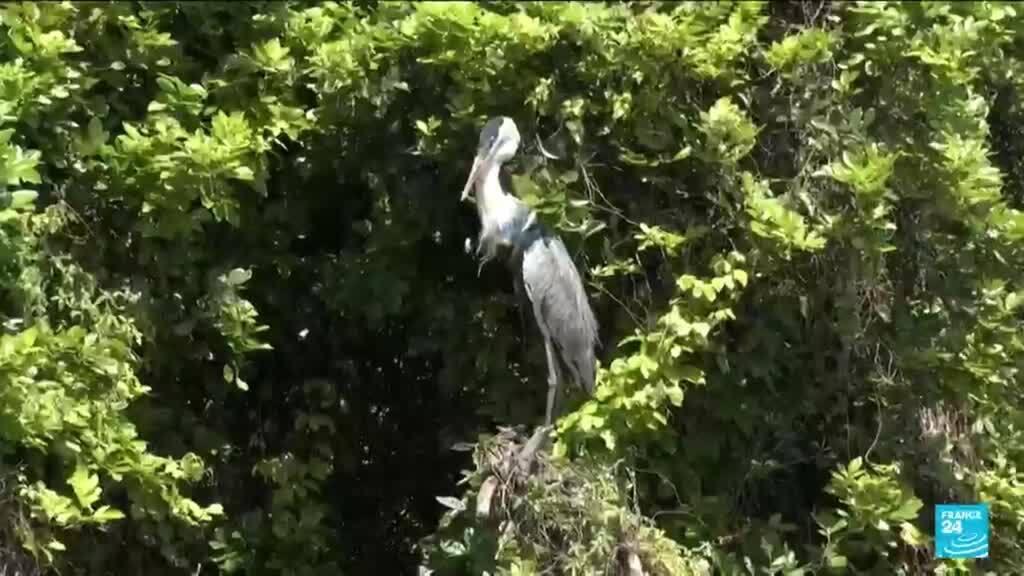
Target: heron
541 265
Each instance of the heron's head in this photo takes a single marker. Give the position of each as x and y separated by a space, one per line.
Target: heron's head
499 141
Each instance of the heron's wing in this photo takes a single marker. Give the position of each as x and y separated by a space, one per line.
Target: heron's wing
560 306
523 302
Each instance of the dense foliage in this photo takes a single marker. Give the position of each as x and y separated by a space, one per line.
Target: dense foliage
241 334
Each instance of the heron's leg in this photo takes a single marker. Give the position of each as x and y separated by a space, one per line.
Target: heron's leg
479 252
483 260
484 250
549 349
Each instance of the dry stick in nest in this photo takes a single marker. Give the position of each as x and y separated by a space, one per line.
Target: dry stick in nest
633 565
509 461
524 459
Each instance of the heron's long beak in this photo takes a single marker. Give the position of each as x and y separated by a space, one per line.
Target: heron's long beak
477 161
480 165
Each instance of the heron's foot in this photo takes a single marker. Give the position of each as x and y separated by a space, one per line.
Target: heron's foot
480 267
484 254
528 454
484 249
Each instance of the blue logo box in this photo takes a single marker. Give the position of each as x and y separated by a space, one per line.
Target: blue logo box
961 530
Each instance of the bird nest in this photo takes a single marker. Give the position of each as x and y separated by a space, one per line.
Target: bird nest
525 513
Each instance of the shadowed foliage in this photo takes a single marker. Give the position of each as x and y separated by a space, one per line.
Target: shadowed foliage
240 333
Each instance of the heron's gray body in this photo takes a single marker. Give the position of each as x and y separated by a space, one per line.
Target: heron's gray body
560 304
540 263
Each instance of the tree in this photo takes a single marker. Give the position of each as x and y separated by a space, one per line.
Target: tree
241 331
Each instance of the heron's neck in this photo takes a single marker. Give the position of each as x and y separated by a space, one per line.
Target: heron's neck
489 191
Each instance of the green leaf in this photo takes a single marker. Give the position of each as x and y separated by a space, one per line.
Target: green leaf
20 168
855 465
675 395
908 509
1014 300
105 514
609 439
27 338
85 485
591 422
23 198
911 535
837 561
56 545
451 503
96 134
238 276
740 276
244 173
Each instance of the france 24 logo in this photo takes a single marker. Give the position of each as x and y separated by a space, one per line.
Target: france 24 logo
961 530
